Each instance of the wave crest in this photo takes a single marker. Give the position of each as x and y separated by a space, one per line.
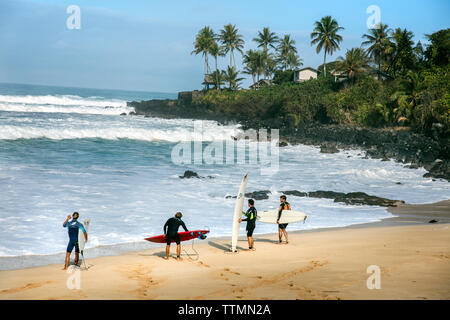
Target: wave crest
62 104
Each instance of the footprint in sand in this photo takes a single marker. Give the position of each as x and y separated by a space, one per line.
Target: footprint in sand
201 263
441 256
25 287
232 272
140 274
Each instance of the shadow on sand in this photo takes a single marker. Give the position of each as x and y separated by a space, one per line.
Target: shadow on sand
226 247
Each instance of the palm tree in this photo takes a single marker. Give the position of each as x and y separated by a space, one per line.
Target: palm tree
408 95
270 66
294 61
231 76
249 60
215 50
286 46
203 43
326 36
355 63
379 42
261 62
231 41
255 63
401 51
218 78
266 39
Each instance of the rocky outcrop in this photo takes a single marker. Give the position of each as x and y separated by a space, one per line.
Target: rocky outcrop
325 148
256 195
356 198
351 198
295 193
188 174
438 169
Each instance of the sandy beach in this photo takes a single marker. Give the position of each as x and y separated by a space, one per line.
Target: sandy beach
413 257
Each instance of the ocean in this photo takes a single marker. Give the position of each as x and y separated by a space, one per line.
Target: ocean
70 149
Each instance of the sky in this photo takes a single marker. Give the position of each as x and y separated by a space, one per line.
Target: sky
146 45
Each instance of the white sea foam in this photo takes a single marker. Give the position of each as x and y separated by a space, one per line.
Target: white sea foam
213 133
63 104
64 100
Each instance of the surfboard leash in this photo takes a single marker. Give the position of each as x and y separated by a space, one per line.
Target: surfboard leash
86 267
188 255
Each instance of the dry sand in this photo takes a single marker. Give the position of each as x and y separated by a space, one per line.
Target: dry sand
413 257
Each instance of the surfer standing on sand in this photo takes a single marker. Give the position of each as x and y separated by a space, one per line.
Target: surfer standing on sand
284 205
73 227
251 222
171 233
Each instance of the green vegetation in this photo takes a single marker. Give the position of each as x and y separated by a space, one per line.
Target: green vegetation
390 81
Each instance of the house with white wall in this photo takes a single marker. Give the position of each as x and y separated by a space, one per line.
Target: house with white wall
305 74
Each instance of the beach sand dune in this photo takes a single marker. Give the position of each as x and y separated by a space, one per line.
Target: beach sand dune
413 260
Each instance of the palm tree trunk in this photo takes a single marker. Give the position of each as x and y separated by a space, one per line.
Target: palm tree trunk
379 69
325 64
208 70
217 75
234 59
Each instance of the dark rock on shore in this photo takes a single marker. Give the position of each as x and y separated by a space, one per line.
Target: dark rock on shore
362 198
328 149
294 193
256 195
259 195
325 194
351 198
358 198
189 174
438 169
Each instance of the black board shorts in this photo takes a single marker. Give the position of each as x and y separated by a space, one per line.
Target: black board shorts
250 230
283 225
175 237
71 245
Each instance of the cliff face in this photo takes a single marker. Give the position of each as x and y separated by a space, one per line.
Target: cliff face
432 152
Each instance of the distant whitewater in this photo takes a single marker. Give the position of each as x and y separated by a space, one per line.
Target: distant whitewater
70 149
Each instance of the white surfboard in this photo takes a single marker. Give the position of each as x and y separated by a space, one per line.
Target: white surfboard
81 240
238 212
287 216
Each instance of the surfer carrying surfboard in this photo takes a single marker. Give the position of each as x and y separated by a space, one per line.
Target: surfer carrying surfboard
171 233
251 215
73 227
284 205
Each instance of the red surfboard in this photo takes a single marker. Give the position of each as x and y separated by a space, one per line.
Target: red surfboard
184 236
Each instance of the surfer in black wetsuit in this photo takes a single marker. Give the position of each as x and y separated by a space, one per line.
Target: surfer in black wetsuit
171 233
284 205
251 222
